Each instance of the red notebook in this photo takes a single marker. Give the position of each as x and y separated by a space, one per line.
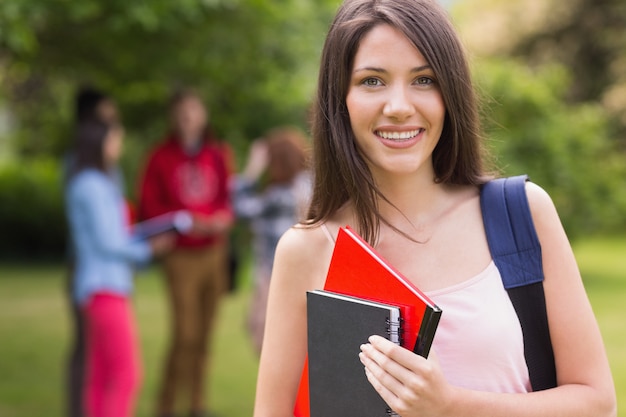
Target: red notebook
357 270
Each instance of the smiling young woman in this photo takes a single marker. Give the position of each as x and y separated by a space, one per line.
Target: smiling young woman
398 157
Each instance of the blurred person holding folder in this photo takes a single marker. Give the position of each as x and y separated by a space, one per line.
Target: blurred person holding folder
104 255
397 156
189 170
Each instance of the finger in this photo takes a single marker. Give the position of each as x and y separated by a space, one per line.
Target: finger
400 355
387 395
382 368
407 373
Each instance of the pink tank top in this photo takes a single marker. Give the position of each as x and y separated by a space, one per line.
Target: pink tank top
479 341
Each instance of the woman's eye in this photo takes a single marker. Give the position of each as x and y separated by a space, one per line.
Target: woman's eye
371 82
424 81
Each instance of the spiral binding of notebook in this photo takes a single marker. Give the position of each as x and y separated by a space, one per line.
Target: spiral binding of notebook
395 335
394 330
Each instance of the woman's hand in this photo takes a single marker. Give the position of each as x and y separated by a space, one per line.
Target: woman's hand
216 224
162 243
410 384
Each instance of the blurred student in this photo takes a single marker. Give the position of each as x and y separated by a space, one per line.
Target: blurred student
272 193
189 170
104 254
90 104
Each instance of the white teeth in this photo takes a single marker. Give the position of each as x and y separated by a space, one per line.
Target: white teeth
398 135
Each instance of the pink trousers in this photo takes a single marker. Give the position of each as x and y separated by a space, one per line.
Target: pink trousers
112 357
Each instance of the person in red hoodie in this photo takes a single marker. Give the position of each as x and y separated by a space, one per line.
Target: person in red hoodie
189 170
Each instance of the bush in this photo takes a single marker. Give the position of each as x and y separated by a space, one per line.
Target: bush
565 148
32 218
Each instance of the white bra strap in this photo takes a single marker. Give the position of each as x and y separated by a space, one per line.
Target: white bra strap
327 233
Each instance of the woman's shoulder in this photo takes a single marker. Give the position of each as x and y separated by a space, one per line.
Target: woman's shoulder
322 235
539 201
89 183
537 196
304 251
544 213
303 239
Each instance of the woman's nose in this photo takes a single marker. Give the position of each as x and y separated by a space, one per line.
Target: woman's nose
398 104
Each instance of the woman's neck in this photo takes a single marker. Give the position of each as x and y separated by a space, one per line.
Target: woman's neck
414 196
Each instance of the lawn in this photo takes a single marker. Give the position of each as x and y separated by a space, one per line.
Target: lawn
34 339
34 335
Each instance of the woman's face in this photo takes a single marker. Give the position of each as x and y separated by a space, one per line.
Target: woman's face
112 146
395 105
107 111
190 119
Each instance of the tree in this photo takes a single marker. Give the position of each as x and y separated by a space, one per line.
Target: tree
586 36
255 61
564 147
553 75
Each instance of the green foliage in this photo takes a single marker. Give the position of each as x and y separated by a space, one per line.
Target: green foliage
254 61
31 210
565 148
585 36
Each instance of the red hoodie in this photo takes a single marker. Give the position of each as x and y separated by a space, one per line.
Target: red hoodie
174 180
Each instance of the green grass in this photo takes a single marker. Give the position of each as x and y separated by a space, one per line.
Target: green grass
603 266
35 332
34 335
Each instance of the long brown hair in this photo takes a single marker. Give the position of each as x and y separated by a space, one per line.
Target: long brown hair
89 141
340 172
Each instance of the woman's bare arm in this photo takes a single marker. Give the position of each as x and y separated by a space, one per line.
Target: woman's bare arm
301 262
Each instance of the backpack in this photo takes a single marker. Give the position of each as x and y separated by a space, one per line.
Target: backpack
516 251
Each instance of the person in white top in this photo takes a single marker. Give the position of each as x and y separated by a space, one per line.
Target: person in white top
397 156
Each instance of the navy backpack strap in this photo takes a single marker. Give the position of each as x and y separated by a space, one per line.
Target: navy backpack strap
516 251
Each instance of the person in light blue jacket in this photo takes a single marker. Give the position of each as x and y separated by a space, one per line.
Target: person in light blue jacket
90 104
105 255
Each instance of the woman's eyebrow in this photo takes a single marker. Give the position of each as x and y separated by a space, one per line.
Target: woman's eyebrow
384 71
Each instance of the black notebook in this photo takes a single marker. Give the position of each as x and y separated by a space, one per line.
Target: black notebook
337 326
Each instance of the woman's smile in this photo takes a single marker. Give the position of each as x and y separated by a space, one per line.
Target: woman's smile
399 139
